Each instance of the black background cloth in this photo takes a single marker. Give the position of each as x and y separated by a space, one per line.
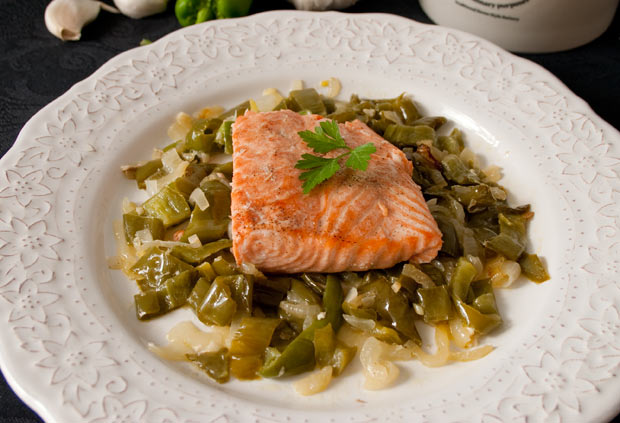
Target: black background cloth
36 68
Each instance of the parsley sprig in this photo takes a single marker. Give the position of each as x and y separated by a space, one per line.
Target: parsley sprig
325 138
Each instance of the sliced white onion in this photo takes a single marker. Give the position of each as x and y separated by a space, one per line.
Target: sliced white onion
300 310
151 187
442 348
250 269
171 160
367 299
194 241
512 270
209 112
461 335
189 156
493 173
142 236
125 254
334 86
165 180
128 206
369 112
367 325
348 335
498 193
218 176
350 295
398 352
307 322
270 99
186 338
418 309
502 272
471 354
181 126
315 382
470 158
297 84
378 372
198 198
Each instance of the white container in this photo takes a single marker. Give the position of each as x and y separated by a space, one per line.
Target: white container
526 26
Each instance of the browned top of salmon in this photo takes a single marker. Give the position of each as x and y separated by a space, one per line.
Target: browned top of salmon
357 220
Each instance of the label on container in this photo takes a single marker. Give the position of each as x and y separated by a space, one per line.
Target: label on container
499 9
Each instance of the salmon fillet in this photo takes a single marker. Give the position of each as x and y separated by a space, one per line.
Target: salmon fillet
357 220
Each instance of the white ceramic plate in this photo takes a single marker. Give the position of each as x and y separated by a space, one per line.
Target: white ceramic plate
70 344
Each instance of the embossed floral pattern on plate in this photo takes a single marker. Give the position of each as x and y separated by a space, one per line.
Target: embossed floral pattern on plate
70 356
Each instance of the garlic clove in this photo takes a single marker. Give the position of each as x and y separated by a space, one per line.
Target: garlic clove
137 9
66 18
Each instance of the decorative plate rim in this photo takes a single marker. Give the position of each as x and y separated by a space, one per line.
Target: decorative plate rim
32 170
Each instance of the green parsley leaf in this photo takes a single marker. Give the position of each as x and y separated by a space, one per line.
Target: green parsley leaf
325 138
315 176
330 127
310 161
360 156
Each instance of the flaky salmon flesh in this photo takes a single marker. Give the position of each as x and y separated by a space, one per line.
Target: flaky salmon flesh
357 220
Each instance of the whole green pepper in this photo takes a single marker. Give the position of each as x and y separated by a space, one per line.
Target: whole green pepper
191 12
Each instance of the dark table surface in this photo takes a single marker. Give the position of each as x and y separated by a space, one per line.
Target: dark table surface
36 68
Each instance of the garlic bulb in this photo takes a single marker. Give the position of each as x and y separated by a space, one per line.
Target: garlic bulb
66 18
322 4
140 8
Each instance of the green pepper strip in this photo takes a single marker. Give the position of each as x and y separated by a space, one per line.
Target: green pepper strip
481 323
169 205
133 223
155 266
197 255
324 345
533 268
248 345
436 303
146 170
170 295
218 305
403 135
298 356
215 364
463 275
224 136
512 236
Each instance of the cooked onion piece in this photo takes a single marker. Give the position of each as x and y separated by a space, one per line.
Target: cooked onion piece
315 382
186 338
378 371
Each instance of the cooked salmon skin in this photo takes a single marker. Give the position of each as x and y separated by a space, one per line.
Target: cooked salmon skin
357 220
